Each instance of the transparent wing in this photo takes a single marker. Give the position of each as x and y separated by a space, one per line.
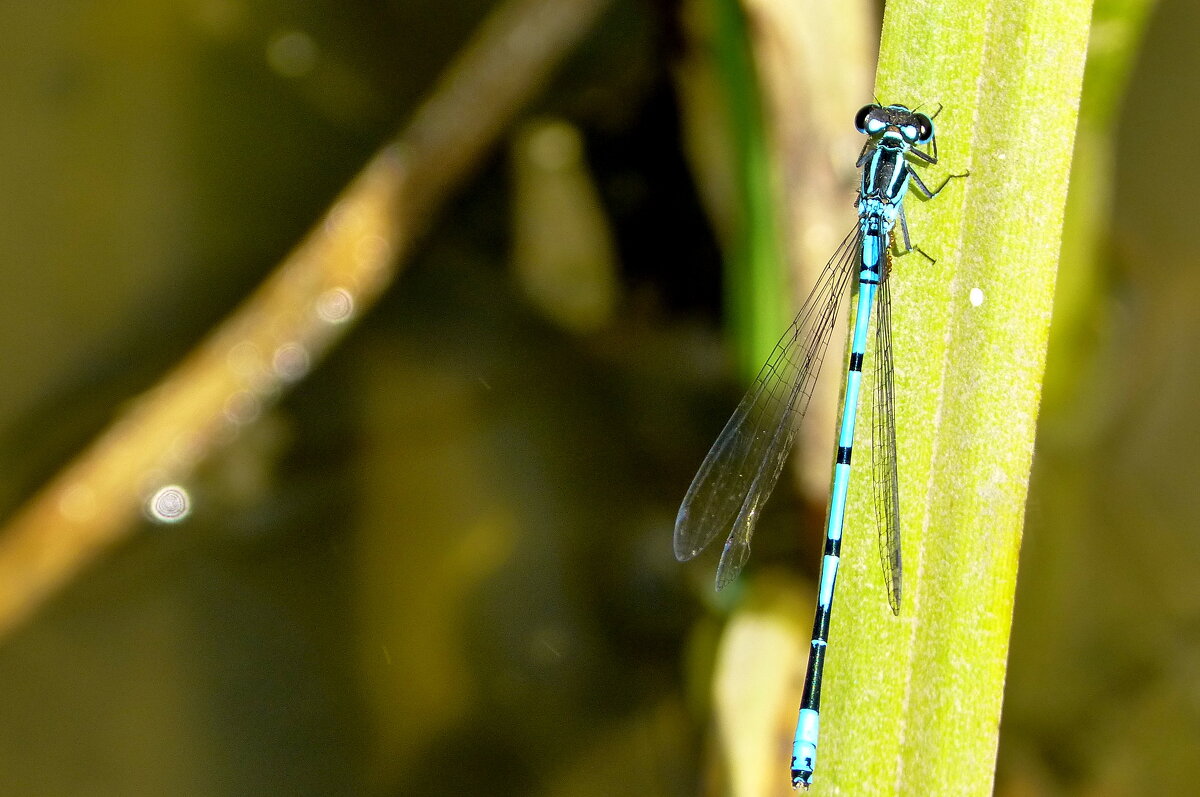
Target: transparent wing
883 449
745 461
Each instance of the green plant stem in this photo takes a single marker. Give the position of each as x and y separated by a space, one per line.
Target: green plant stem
756 273
913 704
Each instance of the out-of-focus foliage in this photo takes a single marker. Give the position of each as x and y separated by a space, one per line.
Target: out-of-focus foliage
442 564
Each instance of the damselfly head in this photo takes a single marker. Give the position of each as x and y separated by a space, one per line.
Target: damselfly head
914 127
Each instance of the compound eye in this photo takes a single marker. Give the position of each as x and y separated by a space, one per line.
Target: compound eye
924 128
863 116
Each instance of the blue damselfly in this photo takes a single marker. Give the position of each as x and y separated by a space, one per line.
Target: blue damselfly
744 463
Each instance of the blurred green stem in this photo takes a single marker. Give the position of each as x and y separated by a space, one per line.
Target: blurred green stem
755 273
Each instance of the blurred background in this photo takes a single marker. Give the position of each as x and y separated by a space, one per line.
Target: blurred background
441 563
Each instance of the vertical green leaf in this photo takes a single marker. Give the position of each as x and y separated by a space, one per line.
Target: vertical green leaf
912 704
756 269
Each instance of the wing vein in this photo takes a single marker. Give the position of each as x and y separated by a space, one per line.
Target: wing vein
746 459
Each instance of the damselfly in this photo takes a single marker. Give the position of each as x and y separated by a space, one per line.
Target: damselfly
745 461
